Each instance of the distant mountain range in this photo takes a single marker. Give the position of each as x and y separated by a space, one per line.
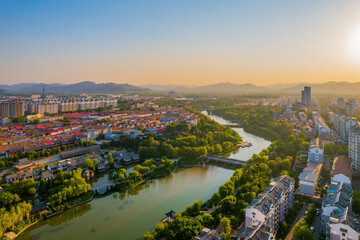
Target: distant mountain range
76 88
329 88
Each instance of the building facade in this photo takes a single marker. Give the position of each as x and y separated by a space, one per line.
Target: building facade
306 96
354 147
265 213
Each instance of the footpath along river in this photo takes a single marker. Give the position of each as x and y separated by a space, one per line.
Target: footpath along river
129 214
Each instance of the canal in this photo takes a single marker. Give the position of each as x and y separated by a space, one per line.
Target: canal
129 214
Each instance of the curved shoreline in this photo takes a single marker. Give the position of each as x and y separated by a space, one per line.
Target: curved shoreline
145 181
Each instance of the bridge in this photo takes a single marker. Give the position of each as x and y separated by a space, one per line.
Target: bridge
224 160
103 188
234 125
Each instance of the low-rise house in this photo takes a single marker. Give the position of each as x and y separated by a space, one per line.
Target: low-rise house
338 221
208 234
47 175
341 170
52 167
37 208
316 151
12 177
309 178
30 174
24 164
101 166
88 174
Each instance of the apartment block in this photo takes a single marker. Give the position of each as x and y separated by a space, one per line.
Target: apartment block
268 210
354 147
342 125
338 221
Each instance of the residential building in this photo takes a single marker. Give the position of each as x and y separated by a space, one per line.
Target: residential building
337 219
349 109
268 210
320 126
341 169
354 147
12 108
306 96
340 102
309 178
353 103
342 125
316 151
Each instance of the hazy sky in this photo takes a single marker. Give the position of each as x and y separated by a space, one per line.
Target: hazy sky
179 42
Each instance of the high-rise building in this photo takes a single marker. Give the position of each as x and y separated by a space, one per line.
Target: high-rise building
342 125
340 102
349 109
306 96
12 108
354 147
353 103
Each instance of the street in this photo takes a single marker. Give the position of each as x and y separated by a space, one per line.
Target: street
298 218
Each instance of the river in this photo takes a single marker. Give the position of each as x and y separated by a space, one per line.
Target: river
129 214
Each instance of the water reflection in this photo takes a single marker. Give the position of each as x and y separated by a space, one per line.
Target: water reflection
70 214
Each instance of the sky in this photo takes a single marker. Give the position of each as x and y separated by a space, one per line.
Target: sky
188 42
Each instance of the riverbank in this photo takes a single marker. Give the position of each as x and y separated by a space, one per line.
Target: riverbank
136 210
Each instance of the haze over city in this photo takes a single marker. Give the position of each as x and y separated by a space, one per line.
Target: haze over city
187 42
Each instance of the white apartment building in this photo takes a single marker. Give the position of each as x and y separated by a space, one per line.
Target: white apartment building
354 147
268 210
342 125
316 151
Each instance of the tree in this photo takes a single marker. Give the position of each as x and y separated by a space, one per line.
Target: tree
228 204
89 163
32 191
121 174
36 121
134 175
225 225
217 148
356 202
110 159
7 199
302 231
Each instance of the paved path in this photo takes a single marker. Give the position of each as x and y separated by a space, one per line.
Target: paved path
49 159
298 218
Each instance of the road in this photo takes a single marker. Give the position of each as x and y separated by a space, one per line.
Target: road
50 159
317 227
40 161
298 218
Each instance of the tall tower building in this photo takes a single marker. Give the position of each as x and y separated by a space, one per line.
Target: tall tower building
306 96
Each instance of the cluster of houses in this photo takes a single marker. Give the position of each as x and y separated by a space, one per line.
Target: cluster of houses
125 157
309 178
338 220
27 169
83 126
